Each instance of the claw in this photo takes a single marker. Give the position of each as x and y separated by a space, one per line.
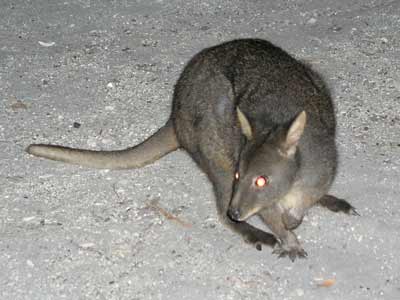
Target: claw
292 256
303 254
354 212
258 246
292 253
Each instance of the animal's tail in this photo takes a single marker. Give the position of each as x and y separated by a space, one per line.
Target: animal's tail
156 146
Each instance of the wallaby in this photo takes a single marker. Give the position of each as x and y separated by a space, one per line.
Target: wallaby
260 124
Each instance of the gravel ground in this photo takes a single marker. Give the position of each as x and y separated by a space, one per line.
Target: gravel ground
100 75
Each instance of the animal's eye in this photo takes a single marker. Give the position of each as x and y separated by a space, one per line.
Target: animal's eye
261 181
237 176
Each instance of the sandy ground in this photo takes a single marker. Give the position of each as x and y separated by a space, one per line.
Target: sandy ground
100 75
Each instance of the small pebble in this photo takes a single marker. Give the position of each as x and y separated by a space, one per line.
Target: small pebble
30 263
384 40
312 21
27 219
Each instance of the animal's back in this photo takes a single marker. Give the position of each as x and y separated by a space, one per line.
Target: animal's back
269 86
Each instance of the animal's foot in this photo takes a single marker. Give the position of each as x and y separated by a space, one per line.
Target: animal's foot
259 238
291 251
338 205
352 211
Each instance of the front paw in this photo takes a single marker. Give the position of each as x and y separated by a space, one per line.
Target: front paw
259 238
291 251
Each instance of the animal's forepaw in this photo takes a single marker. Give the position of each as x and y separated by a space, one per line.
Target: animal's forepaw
293 252
260 238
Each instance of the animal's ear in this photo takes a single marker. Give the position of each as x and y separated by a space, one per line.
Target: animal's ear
244 124
290 141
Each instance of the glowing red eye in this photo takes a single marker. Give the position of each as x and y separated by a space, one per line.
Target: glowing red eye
237 175
261 181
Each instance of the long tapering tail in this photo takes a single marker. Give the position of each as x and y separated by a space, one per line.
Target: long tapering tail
156 146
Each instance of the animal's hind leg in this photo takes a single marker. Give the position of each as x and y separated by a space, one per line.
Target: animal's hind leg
337 205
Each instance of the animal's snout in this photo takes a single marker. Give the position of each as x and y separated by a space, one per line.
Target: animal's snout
234 214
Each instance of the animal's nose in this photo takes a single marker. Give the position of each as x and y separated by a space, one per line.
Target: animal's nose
234 214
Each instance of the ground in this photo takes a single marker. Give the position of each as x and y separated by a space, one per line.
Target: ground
100 75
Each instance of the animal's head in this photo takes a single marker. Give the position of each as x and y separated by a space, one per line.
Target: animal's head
266 168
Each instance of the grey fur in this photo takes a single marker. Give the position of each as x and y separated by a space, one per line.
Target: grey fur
244 106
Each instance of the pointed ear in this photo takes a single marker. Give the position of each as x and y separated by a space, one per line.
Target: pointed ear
293 135
244 124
